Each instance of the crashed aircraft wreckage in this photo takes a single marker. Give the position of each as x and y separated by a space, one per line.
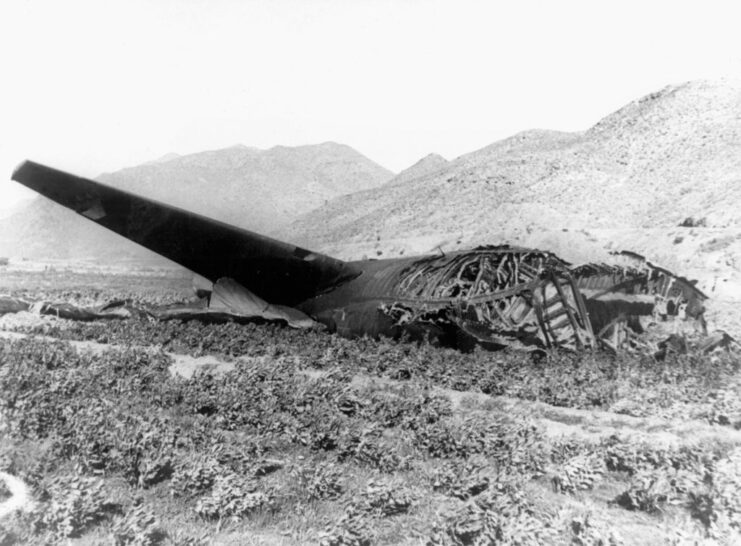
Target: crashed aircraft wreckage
492 296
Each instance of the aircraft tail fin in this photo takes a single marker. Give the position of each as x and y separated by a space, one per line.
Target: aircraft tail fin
278 272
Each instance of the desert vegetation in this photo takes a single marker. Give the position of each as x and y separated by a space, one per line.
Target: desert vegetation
309 438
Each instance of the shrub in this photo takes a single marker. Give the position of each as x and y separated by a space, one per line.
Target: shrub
648 492
195 476
586 531
386 498
463 480
72 505
579 473
726 487
232 497
139 527
367 446
499 516
353 528
321 482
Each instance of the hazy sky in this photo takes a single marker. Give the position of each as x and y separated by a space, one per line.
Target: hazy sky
96 86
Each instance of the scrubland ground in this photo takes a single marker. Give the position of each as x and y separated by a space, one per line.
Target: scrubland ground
139 432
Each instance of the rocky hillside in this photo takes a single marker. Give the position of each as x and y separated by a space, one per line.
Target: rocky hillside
627 182
426 166
260 190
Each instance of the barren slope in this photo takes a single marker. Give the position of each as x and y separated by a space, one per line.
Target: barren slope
625 183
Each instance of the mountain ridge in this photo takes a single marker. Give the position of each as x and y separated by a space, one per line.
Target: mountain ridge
628 181
255 189
523 167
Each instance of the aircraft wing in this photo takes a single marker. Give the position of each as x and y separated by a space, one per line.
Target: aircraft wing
278 272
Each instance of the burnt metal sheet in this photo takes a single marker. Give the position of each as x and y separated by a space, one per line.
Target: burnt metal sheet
9 304
228 302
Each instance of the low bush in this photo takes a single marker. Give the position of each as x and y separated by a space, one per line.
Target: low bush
232 497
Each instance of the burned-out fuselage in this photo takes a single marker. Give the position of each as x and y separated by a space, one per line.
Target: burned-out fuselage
496 296
490 296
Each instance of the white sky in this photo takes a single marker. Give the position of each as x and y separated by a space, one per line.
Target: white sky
94 86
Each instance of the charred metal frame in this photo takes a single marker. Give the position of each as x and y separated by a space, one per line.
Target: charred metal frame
636 287
500 296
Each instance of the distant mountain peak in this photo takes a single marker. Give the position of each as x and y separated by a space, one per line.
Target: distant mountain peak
164 159
429 163
333 144
686 104
432 158
316 146
704 85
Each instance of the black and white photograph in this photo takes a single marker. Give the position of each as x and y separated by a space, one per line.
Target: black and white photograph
370 272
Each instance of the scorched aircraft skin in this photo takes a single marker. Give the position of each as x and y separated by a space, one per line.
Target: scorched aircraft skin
496 296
